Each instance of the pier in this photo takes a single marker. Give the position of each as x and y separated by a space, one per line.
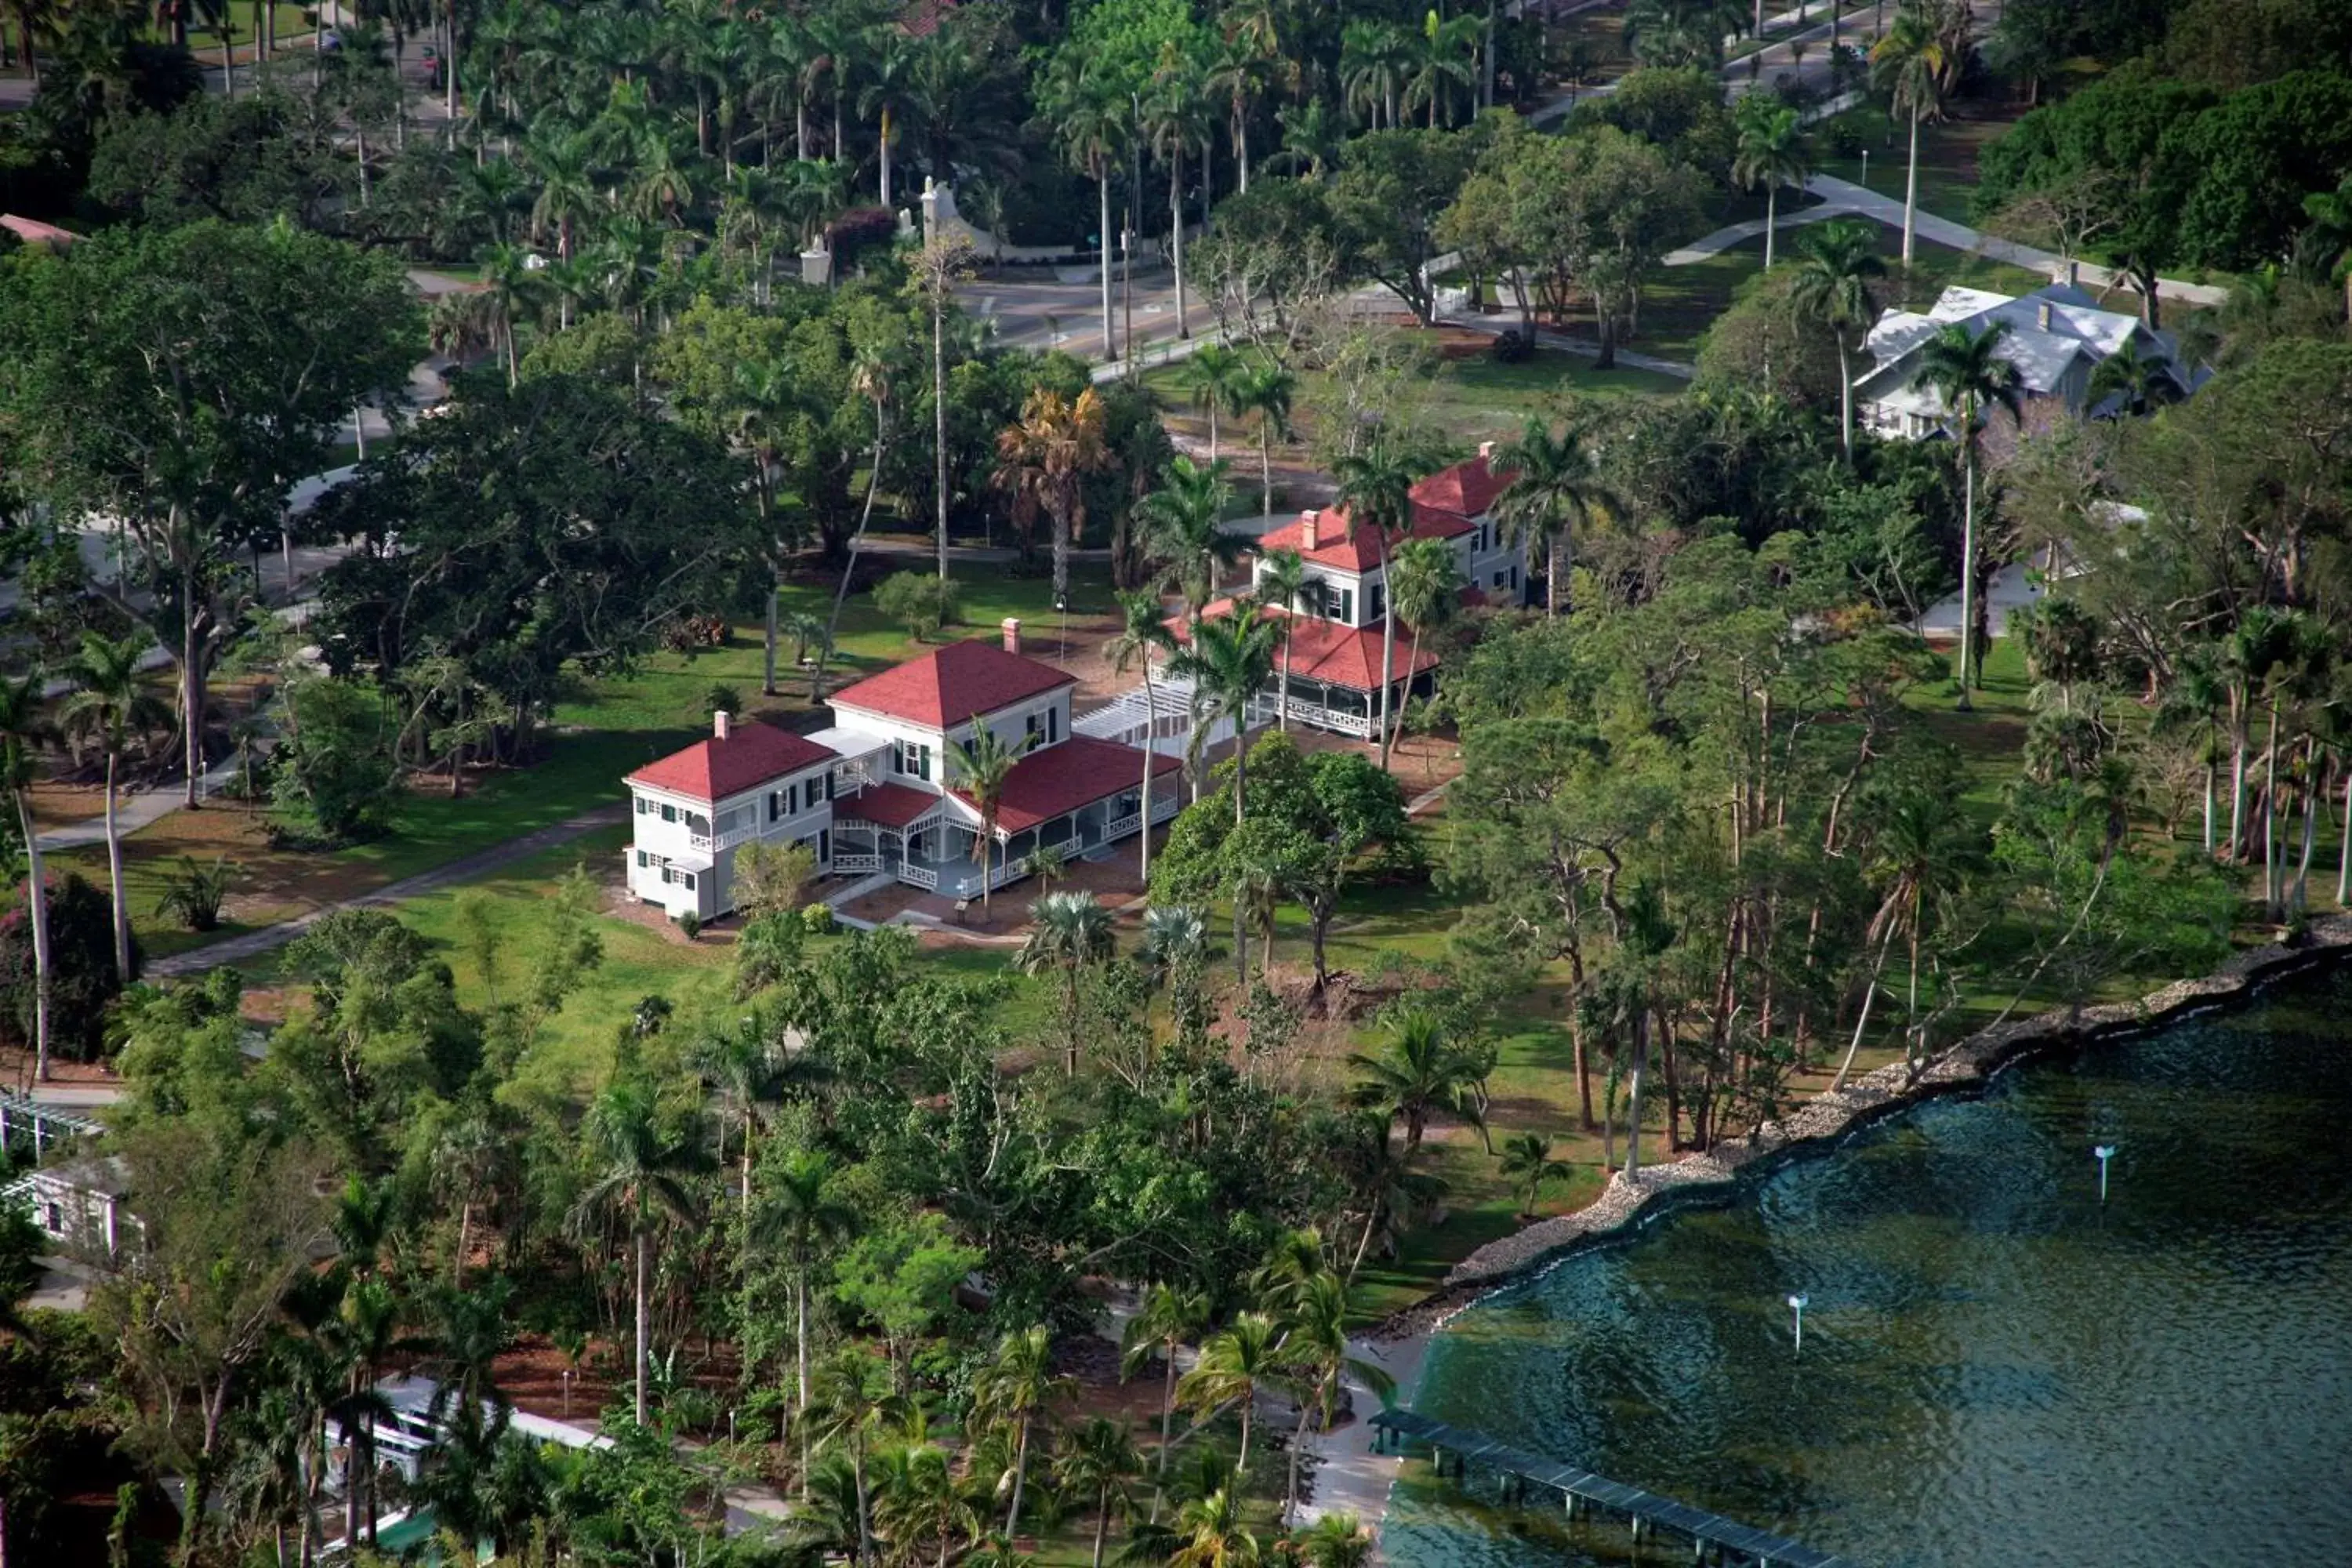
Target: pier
1712 1536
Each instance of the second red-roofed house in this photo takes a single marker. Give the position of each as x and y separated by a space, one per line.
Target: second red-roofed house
880 791
1334 627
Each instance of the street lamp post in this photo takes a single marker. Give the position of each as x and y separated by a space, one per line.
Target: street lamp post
1797 1305
1866 168
2103 1152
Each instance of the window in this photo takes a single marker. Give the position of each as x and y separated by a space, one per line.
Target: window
1501 578
911 758
642 860
1376 601
687 877
1340 605
1514 579
1053 725
1034 725
824 845
643 805
669 813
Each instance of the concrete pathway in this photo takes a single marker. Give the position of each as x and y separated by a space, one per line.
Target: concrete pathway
466 868
134 812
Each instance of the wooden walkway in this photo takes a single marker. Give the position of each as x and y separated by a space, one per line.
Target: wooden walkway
1727 1539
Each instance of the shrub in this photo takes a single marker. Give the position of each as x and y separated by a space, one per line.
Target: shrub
818 918
335 782
919 601
193 895
690 924
857 231
82 978
1511 346
770 875
722 699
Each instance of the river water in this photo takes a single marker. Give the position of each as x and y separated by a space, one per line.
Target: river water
1998 1369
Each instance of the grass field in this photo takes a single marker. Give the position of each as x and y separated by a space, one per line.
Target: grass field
1948 150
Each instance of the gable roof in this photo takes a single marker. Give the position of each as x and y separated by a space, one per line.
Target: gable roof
711 769
33 231
949 685
2041 348
1337 655
1445 505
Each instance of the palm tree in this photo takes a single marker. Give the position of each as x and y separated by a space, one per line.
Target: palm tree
1373 59
1908 65
363 1334
2139 384
853 1408
1230 662
108 704
1556 487
2330 234
1335 1540
1175 952
1528 1164
1071 933
1442 62
1043 461
1921 850
568 193
1232 1366
1142 637
1210 1533
1969 373
943 263
1168 1317
1097 1461
889 63
1281 579
798 1209
1375 486
1217 376
1833 286
20 731
1176 117
1183 525
985 763
1420 1072
640 1176
1018 1390
1085 106
1265 390
1314 1344
1772 153
1424 589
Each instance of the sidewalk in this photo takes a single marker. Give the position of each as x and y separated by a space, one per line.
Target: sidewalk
134 812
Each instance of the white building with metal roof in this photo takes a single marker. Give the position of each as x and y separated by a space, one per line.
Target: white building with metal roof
2056 337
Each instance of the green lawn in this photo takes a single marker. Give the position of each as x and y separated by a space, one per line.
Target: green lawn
244 16
1948 150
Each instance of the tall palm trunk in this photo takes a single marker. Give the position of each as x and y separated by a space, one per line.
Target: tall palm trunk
644 1316
1102 193
1020 1480
1911 192
38 895
1967 556
1846 401
114 870
1176 238
1150 756
939 421
2270 813
800 1356
1265 462
1634 1091
1771 218
1388 643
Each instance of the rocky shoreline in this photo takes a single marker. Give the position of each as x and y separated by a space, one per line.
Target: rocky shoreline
1966 1064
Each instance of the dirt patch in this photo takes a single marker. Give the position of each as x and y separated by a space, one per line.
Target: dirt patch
16 1067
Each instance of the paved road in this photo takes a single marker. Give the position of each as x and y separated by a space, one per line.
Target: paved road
464 869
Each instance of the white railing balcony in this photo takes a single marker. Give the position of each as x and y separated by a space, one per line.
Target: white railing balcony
1165 805
1120 827
842 863
1331 719
920 875
712 843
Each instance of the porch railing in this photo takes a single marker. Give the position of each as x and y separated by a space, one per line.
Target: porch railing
842 862
1165 805
712 843
920 875
1119 826
1324 717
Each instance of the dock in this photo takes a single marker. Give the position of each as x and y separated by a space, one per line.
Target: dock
1712 1536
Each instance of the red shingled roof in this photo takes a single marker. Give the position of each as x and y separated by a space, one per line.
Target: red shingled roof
1043 785
951 684
713 770
1337 655
886 805
33 231
1444 506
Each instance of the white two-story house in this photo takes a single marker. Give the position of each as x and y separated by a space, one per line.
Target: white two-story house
880 791
1333 630
693 809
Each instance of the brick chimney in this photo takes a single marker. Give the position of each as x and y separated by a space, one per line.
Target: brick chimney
2042 316
722 724
1011 627
1310 531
